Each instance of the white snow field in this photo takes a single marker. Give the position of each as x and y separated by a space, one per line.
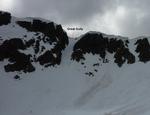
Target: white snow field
67 90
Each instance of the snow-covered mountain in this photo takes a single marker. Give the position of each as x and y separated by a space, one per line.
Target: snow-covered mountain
44 72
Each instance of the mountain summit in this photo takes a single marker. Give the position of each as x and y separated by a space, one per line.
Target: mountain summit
32 40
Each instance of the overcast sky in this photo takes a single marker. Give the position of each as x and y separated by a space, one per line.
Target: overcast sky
129 18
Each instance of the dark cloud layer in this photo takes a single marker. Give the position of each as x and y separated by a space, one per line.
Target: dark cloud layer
125 17
66 11
137 20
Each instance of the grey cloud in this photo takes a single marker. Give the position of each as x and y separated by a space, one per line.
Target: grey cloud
137 20
81 12
65 11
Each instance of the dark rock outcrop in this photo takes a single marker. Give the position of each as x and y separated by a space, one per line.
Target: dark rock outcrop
46 58
143 48
78 55
122 55
5 18
17 77
95 43
52 33
9 47
30 42
19 62
92 43
51 30
44 47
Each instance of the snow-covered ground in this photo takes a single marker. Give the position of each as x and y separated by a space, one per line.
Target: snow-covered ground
67 90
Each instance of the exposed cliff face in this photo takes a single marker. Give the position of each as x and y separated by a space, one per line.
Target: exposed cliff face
143 49
40 42
101 44
96 43
18 61
27 41
49 29
5 18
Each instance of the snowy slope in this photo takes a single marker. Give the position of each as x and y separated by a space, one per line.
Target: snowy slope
67 90
87 87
